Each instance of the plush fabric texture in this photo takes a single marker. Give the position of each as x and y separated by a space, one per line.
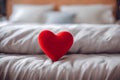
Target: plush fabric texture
60 18
70 67
23 13
94 14
88 38
55 46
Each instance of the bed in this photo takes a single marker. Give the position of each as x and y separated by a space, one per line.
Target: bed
94 55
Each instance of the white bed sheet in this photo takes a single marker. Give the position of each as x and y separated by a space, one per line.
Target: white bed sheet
69 67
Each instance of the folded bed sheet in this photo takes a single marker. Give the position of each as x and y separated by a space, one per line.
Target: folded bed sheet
69 67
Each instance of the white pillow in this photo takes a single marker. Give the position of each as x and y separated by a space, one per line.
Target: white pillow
98 14
30 13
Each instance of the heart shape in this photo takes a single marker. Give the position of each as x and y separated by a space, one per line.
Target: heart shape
55 46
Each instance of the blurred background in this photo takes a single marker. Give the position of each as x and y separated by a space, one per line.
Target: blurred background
2 9
3 12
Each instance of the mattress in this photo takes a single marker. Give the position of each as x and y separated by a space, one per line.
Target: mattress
69 67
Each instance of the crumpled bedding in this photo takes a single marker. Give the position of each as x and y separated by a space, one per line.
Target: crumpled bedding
88 38
69 67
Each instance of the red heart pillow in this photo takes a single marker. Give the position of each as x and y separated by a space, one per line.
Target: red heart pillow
55 46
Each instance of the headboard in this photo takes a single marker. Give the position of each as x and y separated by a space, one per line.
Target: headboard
57 3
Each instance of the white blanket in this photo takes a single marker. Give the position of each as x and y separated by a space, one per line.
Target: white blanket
70 67
22 38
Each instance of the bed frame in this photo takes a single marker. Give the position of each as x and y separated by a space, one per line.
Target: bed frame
57 3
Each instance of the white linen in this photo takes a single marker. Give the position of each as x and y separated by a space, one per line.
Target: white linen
4 23
95 14
23 13
70 67
22 38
